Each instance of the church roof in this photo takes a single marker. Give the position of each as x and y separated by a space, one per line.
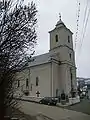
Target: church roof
40 59
60 24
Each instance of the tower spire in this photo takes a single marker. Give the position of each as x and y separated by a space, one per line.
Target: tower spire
60 22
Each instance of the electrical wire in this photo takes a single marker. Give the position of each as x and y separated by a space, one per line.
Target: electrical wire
77 23
84 30
84 24
85 14
84 27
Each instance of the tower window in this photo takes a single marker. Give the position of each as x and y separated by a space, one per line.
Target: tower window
37 80
68 39
70 55
27 83
56 37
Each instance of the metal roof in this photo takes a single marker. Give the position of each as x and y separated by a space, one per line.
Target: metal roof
40 59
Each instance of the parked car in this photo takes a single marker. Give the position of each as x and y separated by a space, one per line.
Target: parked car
48 101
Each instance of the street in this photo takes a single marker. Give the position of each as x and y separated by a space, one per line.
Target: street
83 106
51 112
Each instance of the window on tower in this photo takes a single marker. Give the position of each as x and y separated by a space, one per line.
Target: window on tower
71 77
70 55
68 39
56 37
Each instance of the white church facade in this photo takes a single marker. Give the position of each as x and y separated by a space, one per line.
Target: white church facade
51 73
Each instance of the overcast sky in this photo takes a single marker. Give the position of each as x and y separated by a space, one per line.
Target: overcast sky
48 15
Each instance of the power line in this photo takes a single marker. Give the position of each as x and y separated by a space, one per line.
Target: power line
83 26
77 23
84 31
85 15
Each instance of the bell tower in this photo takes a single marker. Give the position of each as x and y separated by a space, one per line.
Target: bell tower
61 44
60 35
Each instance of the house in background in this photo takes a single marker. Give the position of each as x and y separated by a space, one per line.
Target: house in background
52 73
82 82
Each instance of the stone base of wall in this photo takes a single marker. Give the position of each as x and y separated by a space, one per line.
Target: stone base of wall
72 101
32 98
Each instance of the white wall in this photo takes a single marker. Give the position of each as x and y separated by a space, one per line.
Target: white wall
21 76
44 75
55 77
43 72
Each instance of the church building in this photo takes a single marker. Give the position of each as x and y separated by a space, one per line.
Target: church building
50 74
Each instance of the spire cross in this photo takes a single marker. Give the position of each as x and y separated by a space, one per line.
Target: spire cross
60 16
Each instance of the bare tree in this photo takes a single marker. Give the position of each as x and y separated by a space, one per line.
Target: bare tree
17 39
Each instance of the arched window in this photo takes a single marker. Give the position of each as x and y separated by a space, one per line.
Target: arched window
27 83
70 55
68 39
18 83
37 80
56 38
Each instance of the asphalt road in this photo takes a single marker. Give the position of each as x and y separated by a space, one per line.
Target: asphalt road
83 106
52 112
